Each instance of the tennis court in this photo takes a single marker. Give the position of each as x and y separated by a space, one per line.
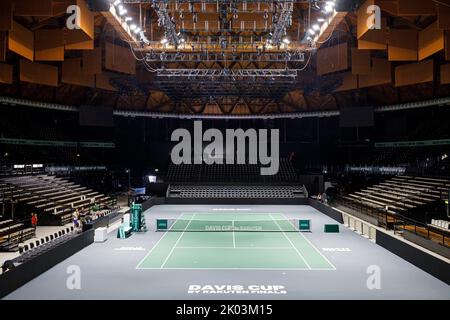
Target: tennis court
227 241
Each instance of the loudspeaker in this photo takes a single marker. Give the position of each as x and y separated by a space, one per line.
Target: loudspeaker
345 5
99 5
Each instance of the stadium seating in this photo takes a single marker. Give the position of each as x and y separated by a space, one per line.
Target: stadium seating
12 233
229 172
52 195
235 191
401 194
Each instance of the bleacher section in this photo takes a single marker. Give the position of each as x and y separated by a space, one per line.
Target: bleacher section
235 192
401 194
51 196
229 173
12 233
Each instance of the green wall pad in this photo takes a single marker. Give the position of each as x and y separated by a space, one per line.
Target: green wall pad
331 228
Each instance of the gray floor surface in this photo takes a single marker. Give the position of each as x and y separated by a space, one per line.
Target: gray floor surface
108 270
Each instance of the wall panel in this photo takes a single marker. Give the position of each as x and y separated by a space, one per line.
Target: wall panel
403 45
21 41
49 45
38 73
33 7
119 59
431 40
416 7
414 73
380 73
360 61
6 15
332 59
6 73
72 74
92 61
445 74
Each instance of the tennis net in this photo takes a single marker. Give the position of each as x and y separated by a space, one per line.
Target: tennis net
194 225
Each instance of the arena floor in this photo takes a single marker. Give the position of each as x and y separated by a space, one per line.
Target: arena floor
235 265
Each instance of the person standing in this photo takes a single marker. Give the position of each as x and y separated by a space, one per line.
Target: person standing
34 221
76 218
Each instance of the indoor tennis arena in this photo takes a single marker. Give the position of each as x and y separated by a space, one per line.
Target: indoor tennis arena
221 150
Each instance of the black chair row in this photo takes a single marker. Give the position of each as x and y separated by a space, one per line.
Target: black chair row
46 239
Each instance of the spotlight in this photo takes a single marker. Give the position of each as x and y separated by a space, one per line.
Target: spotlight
286 41
328 8
315 5
316 27
122 12
128 19
311 32
137 30
164 41
133 27
320 20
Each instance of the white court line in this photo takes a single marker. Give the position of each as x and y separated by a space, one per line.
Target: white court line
314 247
156 244
234 239
178 240
262 248
284 233
244 269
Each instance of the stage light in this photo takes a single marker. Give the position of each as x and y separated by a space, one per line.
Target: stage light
328 8
316 27
164 41
286 41
311 32
122 12
133 27
320 20
128 19
137 30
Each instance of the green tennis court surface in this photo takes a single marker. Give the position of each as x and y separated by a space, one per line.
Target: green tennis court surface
265 250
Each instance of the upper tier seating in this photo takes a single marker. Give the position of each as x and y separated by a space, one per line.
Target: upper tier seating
401 193
229 173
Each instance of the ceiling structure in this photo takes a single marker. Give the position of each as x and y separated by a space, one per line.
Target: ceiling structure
225 57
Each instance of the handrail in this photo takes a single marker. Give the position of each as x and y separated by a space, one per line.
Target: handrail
397 222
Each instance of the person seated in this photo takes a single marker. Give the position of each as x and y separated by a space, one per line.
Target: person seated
8 265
